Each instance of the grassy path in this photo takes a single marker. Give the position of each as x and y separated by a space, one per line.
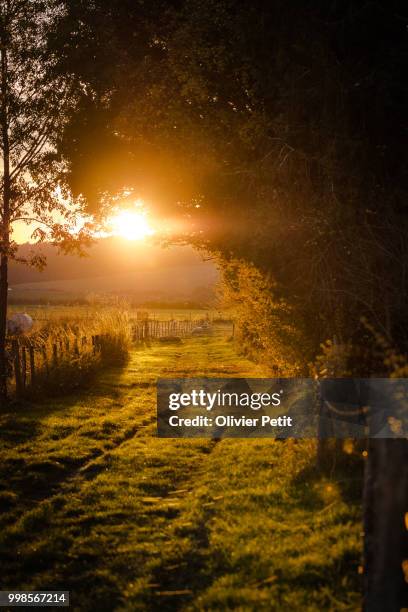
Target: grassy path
97 505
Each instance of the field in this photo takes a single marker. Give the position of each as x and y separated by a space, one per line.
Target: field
43 315
97 505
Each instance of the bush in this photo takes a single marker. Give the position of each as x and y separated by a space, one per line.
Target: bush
268 329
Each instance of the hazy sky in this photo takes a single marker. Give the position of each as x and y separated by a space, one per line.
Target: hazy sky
22 232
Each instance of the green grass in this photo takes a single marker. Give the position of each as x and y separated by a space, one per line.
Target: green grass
94 503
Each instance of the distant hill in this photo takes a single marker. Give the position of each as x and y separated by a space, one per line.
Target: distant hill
136 270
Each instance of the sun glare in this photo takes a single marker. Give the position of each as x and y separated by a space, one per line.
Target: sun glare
131 225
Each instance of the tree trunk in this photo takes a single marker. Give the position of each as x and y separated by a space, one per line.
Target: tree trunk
3 320
385 526
5 226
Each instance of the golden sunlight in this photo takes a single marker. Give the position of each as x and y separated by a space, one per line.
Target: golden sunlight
132 225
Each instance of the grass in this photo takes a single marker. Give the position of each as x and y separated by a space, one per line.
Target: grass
67 352
57 314
96 504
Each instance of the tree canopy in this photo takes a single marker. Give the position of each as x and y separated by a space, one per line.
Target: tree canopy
282 149
36 102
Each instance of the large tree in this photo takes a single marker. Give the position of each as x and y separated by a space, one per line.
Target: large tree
279 129
278 146
33 111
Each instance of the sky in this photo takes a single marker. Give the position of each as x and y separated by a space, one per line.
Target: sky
22 232
131 223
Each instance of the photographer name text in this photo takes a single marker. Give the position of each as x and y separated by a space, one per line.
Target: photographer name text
230 421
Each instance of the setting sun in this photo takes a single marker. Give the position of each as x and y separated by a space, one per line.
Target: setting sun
131 225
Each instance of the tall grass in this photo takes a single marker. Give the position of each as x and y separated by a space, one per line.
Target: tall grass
68 351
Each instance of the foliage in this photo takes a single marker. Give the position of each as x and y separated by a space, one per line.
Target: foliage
266 324
276 147
33 112
36 103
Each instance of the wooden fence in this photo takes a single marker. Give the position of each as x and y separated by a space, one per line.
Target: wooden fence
31 359
36 359
150 328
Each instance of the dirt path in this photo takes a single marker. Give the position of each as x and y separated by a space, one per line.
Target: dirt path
99 506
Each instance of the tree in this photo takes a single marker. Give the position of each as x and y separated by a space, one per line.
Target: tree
33 110
293 141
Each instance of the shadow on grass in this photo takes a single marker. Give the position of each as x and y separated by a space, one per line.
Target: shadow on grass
33 463
62 395
341 469
16 429
186 576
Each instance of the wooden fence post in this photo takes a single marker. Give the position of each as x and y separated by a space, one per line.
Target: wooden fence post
23 368
32 365
55 354
45 359
384 517
17 368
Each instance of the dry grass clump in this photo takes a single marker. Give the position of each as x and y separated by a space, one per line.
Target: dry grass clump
62 355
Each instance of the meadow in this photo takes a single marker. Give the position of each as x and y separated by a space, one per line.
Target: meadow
93 502
56 312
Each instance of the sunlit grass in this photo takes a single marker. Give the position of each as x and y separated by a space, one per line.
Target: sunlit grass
67 350
98 505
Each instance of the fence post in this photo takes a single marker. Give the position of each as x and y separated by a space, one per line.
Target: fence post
17 370
23 368
45 358
32 365
55 354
